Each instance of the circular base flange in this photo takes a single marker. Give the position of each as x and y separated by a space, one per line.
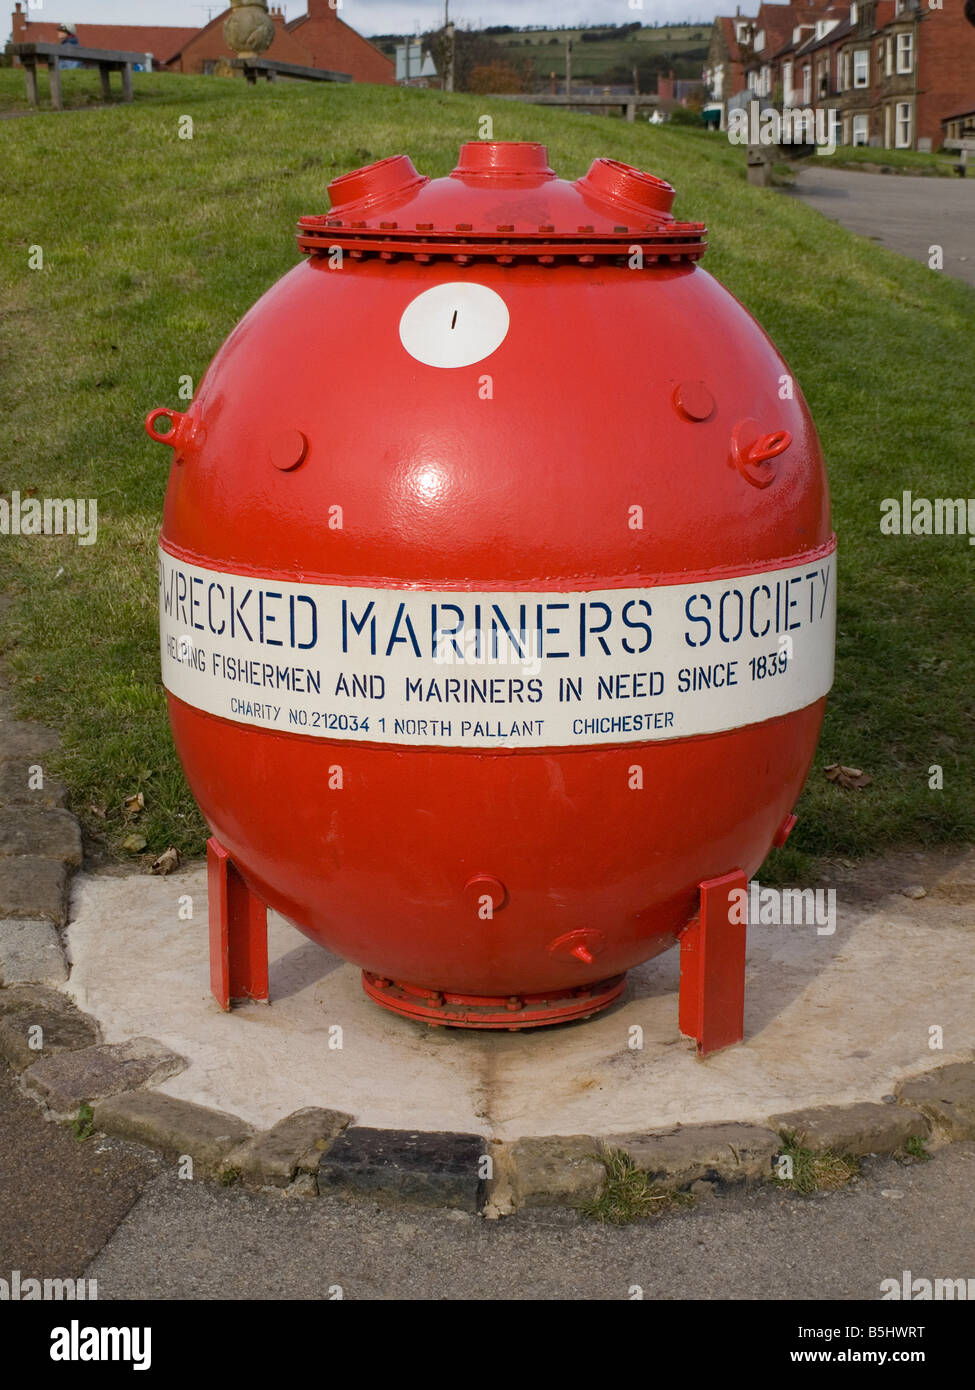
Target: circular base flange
445 1010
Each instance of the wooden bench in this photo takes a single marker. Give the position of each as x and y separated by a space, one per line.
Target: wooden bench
266 67
628 105
107 60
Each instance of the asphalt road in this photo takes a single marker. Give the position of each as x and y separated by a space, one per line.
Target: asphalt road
111 1211
905 213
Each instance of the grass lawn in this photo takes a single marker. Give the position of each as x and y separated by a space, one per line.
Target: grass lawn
894 161
153 248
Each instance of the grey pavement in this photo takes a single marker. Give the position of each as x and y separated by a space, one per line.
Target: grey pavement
905 213
193 1241
113 1212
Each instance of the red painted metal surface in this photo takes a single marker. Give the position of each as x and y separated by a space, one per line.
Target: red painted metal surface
238 932
615 386
712 967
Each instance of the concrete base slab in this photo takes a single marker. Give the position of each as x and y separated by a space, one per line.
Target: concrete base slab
829 1019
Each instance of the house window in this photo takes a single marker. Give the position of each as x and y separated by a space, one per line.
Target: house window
903 136
806 84
905 52
889 58
861 67
787 83
861 129
853 13
887 117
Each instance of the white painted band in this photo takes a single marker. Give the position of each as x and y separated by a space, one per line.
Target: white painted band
499 669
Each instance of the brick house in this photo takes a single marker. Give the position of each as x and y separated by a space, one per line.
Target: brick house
205 48
161 40
727 48
318 39
331 43
887 71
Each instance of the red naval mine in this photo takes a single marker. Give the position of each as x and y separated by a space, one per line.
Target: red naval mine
497 598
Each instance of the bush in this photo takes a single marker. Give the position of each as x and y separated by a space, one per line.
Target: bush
684 115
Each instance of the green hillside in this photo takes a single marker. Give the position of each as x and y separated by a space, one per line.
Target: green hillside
154 246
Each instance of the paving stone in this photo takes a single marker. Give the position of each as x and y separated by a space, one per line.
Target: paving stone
947 1097
30 952
434 1169
66 1080
865 1128
22 738
34 888
557 1171
294 1145
15 788
41 832
63 1026
174 1127
675 1158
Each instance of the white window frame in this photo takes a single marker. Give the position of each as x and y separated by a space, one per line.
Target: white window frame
861 68
905 53
905 123
836 126
787 82
806 84
889 58
861 128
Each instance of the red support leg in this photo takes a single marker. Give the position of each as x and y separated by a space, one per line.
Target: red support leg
238 932
712 966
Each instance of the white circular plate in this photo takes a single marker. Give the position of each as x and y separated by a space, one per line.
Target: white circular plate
454 325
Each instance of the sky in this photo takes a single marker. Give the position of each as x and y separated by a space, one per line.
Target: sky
392 16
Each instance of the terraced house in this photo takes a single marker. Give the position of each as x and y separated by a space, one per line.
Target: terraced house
886 72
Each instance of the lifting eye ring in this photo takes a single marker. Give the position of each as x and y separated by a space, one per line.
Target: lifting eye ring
170 436
769 447
754 460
